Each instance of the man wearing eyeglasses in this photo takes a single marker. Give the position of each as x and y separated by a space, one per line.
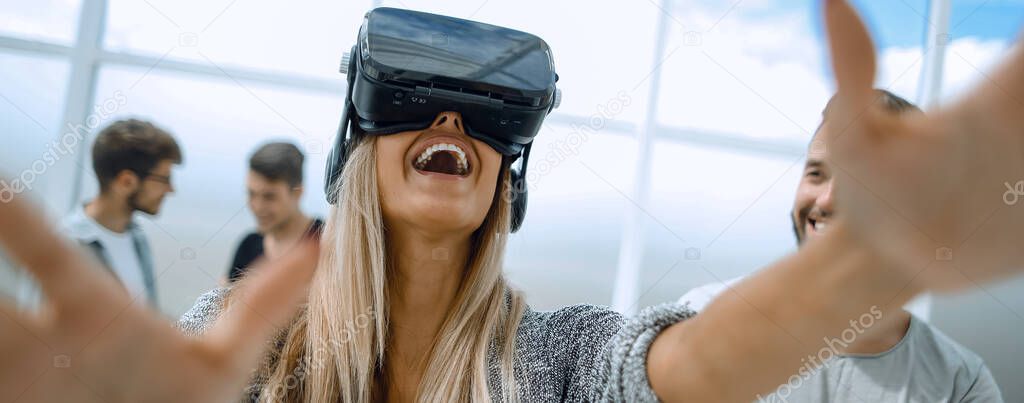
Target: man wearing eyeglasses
132 160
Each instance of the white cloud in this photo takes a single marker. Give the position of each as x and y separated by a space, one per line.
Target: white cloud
757 77
768 77
899 71
968 61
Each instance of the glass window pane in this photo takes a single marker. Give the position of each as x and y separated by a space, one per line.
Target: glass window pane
49 20
300 37
602 50
981 33
30 113
898 29
714 214
758 69
567 250
218 124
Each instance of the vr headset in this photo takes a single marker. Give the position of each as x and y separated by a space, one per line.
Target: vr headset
409 66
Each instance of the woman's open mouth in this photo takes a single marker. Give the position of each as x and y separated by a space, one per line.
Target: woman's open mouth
443 158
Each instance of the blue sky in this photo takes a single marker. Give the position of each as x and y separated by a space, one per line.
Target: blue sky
995 19
901 22
901 25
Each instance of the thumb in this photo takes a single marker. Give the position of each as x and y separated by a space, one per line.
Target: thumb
852 56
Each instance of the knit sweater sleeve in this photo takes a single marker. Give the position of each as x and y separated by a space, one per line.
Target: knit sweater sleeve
203 313
616 370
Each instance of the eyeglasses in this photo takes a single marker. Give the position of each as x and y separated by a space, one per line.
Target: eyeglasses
165 179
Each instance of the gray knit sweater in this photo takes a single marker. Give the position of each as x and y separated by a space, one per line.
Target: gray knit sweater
581 353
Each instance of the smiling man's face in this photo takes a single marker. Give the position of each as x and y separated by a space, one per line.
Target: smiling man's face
813 206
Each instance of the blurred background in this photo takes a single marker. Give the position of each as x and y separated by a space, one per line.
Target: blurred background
672 162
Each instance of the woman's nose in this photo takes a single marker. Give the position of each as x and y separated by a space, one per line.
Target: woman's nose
450 121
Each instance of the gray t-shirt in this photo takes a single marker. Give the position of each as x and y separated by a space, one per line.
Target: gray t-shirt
926 366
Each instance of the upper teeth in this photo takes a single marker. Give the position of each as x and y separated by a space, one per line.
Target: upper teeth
459 154
819 226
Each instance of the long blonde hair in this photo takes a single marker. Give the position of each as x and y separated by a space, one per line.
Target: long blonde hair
336 348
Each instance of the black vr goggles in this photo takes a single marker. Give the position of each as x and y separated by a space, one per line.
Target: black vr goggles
408 66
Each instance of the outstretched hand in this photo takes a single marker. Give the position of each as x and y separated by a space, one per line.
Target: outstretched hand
91 343
934 193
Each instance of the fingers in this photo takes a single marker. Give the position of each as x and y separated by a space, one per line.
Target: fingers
25 352
264 302
65 273
16 327
853 56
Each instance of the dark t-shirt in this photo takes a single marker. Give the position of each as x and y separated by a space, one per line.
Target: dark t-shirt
251 249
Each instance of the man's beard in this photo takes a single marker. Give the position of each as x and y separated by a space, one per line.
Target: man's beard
796 219
277 226
133 203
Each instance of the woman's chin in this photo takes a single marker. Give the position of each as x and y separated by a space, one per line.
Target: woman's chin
441 219
436 212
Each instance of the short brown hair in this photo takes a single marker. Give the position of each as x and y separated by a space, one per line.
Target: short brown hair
278 161
891 102
133 145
